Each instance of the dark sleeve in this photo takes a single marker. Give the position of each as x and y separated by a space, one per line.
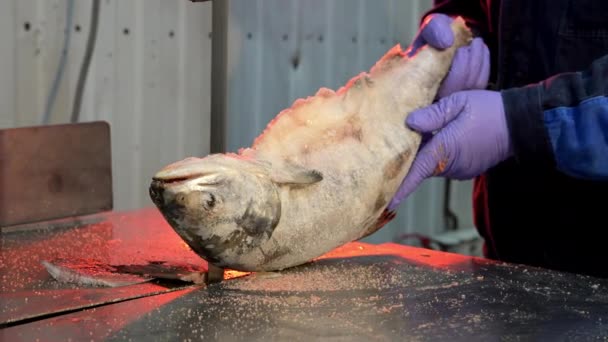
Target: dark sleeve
562 122
474 13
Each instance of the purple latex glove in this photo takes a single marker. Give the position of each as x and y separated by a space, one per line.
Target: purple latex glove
471 136
471 65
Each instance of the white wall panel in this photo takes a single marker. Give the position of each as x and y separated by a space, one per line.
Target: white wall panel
127 34
149 78
28 102
7 63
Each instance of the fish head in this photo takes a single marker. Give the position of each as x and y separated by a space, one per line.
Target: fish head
224 207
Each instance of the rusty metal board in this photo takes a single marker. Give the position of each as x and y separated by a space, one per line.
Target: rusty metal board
55 171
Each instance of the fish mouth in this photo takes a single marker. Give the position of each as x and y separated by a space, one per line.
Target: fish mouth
164 199
165 187
160 180
157 192
195 180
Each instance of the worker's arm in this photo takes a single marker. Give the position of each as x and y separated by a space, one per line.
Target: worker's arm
559 123
563 122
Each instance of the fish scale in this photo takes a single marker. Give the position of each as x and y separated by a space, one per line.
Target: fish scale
318 176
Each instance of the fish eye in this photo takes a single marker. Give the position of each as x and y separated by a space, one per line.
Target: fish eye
209 201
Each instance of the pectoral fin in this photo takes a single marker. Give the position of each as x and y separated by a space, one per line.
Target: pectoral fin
289 174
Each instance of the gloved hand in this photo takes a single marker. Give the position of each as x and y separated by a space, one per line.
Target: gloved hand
471 137
471 65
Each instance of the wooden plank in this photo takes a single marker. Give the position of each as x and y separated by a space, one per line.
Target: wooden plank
49 172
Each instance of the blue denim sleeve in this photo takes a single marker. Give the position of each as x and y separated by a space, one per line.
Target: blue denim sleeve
579 138
562 122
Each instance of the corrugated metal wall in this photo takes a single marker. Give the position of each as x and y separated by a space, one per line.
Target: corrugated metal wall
150 76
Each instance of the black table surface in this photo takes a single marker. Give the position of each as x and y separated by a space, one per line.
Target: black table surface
358 292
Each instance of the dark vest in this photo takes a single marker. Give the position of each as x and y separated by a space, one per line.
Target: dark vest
540 216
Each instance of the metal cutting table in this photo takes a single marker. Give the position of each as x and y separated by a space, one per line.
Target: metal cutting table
357 292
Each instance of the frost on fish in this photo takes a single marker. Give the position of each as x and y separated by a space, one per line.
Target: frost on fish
320 175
